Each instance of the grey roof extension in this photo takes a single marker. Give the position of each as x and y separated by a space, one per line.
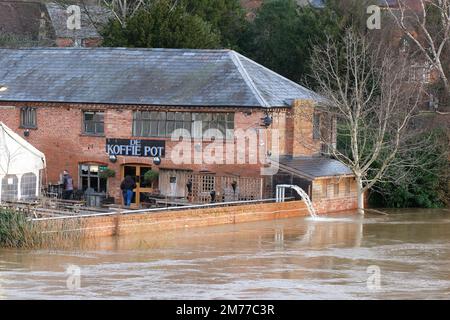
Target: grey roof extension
314 167
166 77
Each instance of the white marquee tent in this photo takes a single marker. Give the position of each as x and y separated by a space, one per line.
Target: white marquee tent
20 167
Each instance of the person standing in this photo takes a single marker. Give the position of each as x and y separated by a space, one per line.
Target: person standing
127 186
67 185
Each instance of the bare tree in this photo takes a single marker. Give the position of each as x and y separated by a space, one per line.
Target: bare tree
366 91
123 9
428 27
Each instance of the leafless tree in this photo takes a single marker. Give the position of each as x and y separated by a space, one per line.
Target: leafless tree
427 25
366 91
123 9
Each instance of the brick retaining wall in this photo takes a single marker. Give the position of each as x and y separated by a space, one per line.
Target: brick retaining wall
190 218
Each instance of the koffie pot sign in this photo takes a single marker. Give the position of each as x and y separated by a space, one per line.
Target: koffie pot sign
136 148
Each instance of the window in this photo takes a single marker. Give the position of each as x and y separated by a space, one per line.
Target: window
28 185
10 187
160 124
348 186
208 183
336 189
324 188
90 178
222 122
28 118
163 124
316 126
94 122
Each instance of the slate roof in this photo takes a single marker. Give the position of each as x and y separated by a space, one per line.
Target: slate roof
314 167
166 77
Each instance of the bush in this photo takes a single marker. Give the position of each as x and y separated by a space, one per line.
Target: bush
107 173
151 176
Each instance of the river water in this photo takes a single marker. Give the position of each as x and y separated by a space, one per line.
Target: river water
405 255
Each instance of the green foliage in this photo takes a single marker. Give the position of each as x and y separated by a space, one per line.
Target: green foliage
227 18
151 176
107 173
424 186
18 231
15 230
282 35
162 25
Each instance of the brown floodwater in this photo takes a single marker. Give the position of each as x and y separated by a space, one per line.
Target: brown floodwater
405 255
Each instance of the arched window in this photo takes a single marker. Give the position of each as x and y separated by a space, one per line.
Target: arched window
91 178
28 186
10 187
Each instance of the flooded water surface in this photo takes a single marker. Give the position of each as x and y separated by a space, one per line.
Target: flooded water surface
405 255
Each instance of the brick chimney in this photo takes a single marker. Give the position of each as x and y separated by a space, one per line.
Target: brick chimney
299 140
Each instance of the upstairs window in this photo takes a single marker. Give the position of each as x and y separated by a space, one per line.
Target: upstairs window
28 118
163 124
205 125
160 124
94 123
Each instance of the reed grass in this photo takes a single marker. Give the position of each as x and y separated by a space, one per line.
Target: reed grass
19 231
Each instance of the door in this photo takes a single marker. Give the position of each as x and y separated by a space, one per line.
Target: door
137 172
132 172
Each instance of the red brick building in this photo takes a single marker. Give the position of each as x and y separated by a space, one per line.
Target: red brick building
92 109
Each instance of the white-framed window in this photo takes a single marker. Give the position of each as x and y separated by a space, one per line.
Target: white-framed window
10 187
28 184
90 178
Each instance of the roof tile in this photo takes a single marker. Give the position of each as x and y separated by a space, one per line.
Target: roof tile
143 76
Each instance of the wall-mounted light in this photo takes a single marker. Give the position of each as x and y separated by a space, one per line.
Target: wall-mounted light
113 158
156 161
26 133
3 88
